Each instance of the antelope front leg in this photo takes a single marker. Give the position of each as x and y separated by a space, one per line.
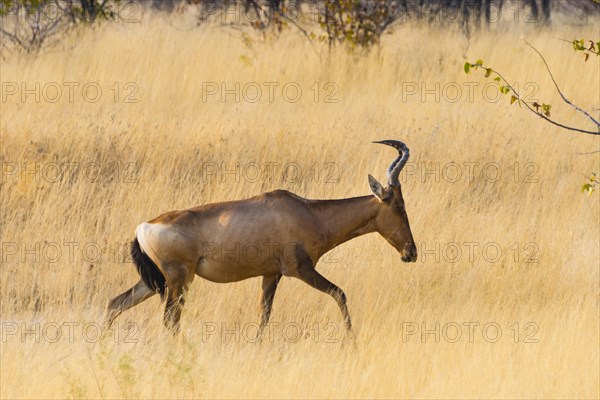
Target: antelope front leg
269 286
319 282
308 274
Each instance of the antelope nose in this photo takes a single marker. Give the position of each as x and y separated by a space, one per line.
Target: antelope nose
410 253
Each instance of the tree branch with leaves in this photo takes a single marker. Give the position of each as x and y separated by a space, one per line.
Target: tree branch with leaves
541 110
588 48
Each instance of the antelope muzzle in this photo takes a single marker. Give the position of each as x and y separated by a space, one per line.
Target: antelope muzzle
409 253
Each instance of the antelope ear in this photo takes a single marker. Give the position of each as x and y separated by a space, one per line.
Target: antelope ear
376 188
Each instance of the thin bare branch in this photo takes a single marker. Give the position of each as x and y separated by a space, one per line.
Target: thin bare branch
571 128
559 91
303 31
589 152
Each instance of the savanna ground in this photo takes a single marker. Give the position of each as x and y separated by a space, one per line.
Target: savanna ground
506 284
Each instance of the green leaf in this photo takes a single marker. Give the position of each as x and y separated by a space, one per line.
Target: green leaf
479 62
488 72
546 108
513 98
467 67
246 60
497 79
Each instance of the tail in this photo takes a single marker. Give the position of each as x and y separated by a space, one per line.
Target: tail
148 270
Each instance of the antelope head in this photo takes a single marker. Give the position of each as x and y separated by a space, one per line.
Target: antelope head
391 221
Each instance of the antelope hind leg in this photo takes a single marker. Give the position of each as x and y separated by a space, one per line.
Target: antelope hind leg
130 298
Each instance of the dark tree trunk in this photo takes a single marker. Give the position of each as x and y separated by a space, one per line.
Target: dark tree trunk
487 11
477 6
546 11
164 5
535 12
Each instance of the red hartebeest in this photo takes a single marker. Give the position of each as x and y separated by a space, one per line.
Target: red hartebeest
271 235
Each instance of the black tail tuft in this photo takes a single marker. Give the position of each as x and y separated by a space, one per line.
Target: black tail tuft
148 270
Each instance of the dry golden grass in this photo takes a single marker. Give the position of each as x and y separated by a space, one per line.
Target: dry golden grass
168 139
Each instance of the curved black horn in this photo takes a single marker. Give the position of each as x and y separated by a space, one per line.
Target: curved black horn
396 166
